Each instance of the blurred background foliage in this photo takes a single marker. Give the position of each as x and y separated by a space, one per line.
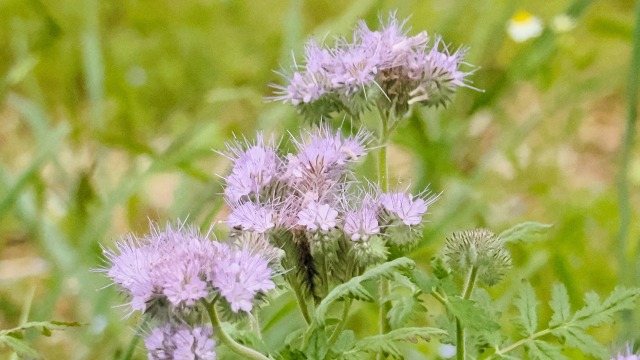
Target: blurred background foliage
109 111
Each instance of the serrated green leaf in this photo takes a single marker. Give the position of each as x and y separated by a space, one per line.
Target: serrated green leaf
560 305
402 309
504 357
540 350
354 289
526 302
385 343
345 342
317 346
423 281
525 232
291 354
471 315
483 299
576 338
19 347
594 313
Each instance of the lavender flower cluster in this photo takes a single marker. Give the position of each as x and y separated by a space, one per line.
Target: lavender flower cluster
167 273
181 342
387 67
309 203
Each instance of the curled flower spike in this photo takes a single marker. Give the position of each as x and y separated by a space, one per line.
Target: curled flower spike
444 77
168 264
255 166
388 68
405 207
480 249
176 267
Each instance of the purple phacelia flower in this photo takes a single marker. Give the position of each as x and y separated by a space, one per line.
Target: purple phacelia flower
404 68
360 224
406 208
182 283
393 45
627 354
180 342
442 76
255 166
325 151
355 68
316 216
239 275
303 88
251 217
170 263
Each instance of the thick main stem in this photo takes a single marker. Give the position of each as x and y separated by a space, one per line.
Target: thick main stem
239 349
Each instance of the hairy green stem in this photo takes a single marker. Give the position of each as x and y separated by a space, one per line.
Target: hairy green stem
343 320
624 206
131 348
302 303
324 276
439 297
471 282
466 294
383 181
629 272
523 341
460 339
243 351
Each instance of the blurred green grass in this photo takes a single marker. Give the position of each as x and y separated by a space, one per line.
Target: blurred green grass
109 112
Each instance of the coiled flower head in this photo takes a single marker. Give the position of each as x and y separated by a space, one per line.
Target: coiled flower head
388 68
480 249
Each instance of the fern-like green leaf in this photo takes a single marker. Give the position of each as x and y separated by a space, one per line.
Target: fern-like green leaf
385 343
354 289
540 350
317 346
403 307
526 302
423 281
471 315
560 305
345 342
576 338
594 313
525 232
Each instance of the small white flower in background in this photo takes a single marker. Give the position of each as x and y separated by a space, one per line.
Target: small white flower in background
447 351
524 26
562 23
